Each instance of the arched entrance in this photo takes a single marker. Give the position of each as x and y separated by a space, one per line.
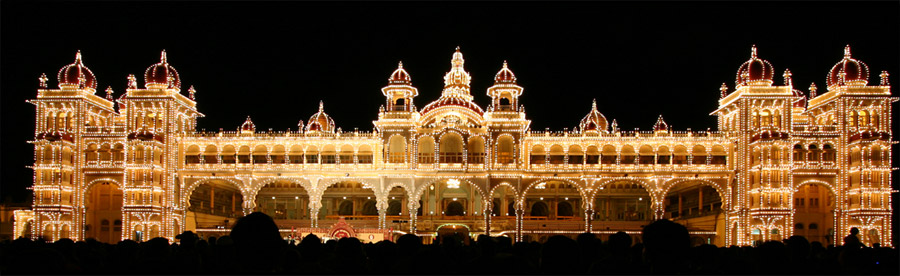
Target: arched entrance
283 200
352 200
215 203
814 213
698 206
622 205
453 233
103 210
451 199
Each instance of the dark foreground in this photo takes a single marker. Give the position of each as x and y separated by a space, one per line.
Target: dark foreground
255 247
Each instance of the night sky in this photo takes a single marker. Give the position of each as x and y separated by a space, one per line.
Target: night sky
274 61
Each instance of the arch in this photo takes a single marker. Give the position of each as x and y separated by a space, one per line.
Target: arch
451 147
396 149
210 154
475 153
260 154
455 208
346 154
698 155
364 155
104 203
189 188
312 155
191 155
628 155
575 155
609 155
506 149
557 155
565 209
418 193
426 149
228 155
592 156
278 154
540 209
244 154
718 187
663 155
328 154
345 208
538 156
622 199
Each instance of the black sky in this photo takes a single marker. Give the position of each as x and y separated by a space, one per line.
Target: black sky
274 61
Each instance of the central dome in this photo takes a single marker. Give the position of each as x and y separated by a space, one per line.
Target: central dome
320 121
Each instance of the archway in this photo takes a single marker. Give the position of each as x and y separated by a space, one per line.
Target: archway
697 205
622 205
437 196
814 212
351 200
283 199
549 194
539 209
455 208
214 203
103 205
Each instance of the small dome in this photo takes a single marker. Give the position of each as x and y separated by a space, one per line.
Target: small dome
400 76
505 75
855 71
594 121
661 124
320 121
248 126
76 76
160 75
754 71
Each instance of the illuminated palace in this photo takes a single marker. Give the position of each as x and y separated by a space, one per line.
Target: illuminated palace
782 162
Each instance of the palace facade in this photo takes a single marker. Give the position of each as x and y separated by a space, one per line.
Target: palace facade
782 162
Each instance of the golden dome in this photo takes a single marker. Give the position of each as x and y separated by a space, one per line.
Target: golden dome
320 121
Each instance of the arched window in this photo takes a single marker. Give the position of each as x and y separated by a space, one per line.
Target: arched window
828 153
719 156
663 156
451 150
346 156
260 154
813 226
592 156
345 208
244 155
192 155
798 226
813 154
426 150
557 156
647 157
455 208
698 155
538 155
505 150
397 149
609 155
329 155
576 156
539 209
628 155
312 155
564 209
296 154
364 156
680 156
476 150
277 154
210 155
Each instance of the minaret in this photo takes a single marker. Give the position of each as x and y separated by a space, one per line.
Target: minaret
505 92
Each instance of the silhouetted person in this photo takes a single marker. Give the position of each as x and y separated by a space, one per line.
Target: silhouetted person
798 253
666 245
852 241
558 255
258 243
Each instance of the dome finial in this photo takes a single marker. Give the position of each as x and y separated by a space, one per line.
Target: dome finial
78 57
162 57
660 124
43 80
787 77
847 51
884 78
400 65
753 51
457 48
109 93
723 90
812 90
321 106
504 64
594 104
192 92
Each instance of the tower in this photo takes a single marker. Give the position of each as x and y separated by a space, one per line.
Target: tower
155 116
757 114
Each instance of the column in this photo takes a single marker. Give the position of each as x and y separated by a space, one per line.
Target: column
700 193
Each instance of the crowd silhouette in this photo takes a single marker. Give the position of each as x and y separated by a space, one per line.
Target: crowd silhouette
256 247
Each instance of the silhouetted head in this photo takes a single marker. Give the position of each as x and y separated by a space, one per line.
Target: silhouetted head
256 228
798 245
487 244
620 241
558 254
409 244
666 244
854 231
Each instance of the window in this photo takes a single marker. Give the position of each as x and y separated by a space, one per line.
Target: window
798 226
813 226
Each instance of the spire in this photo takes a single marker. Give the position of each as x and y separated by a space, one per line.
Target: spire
787 77
192 92
132 81
594 105
400 65
457 61
78 57
660 124
457 81
884 78
753 51
812 90
723 90
321 106
504 64
162 57
300 125
109 92
43 80
847 51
